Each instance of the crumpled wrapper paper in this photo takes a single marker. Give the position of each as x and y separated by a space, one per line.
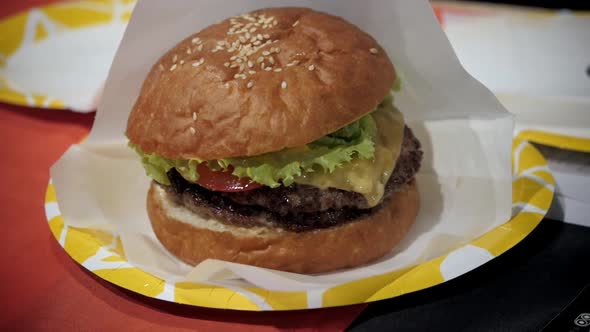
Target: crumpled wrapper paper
464 183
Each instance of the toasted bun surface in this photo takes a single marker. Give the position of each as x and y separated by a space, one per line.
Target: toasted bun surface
326 73
192 239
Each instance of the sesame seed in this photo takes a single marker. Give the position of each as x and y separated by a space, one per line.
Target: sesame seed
234 65
259 36
250 84
193 131
196 64
253 30
161 66
194 116
284 85
188 50
278 50
252 72
265 53
295 24
233 57
242 66
257 42
200 48
236 76
215 50
173 67
268 68
374 51
174 58
239 60
278 70
266 36
247 35
271 60
181 62
260 59
226 64
275 41
250 64
262 65
226 85
311 67
196 40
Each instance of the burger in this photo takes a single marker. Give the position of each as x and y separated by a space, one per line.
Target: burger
272 140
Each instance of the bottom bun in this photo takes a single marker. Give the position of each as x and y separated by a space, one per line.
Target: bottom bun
193 239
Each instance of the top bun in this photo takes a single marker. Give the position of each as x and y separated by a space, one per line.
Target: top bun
209 98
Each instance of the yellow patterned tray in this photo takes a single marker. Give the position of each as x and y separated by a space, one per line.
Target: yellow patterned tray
556 140
103 254
48 25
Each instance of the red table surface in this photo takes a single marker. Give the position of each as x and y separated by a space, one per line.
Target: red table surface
42 288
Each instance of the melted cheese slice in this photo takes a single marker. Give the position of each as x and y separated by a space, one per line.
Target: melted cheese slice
367 177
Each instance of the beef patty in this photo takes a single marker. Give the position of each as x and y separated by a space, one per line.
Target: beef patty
297 207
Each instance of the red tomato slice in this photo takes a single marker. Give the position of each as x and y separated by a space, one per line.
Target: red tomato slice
223 180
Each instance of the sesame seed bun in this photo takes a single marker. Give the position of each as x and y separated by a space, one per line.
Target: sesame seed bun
203 100
193 239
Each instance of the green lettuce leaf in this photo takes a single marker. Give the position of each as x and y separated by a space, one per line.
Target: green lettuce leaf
397 85
324 154
282 167
156 167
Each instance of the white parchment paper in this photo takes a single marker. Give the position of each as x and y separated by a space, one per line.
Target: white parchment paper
465 181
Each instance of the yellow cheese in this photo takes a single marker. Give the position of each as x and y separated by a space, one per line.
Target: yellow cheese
367 177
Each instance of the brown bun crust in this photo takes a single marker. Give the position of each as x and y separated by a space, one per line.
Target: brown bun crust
351 75
323 250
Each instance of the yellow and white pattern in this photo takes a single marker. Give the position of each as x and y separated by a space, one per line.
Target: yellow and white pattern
580 144
58 56
102 254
